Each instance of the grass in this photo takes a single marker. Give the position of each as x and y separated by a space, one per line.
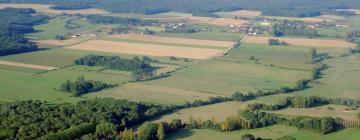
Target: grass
322 111
56 26
339 81
42 86
222 76
219 111
271 132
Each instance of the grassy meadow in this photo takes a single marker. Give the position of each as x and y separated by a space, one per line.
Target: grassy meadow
271 132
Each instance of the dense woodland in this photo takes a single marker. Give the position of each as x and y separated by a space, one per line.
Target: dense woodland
33 119
140 68
295 8
82 86
14 24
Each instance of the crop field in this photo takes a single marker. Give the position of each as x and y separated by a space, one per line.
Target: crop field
22 65
340 80
271 132
200 20
235 72
46 9
170 40
219 111
322 111
146 49
303 42
246 13
223 76
66 42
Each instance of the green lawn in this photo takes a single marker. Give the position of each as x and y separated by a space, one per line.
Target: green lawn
271 132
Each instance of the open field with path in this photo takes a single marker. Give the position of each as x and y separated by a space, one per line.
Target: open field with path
31 66
150 38
302 42
146 49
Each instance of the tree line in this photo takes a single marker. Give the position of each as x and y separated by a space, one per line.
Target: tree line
14 24
292 28
100 19
82 86
293 8
140 68
272 42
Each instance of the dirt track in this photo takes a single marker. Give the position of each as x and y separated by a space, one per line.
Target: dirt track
302 42
225 44
22 65
145 49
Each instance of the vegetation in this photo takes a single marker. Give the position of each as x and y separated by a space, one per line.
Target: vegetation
33 119
292 28
99 19
276 42
13 25
268 7
140 68
82 86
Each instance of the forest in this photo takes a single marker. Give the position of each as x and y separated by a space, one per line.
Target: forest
294 8
33 119
14 24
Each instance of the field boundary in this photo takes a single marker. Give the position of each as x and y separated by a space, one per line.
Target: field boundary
31 66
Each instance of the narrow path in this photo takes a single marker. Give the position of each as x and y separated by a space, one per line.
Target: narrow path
23 65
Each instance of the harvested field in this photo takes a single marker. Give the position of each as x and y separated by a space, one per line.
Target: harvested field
15 64
46 9
58 42
195 19
246 13
302 42
217 21
146 49
225 44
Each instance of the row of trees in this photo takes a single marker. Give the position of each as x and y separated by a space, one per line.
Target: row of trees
14 24
82 86
299 8
304 102
292 28
276 42
140 68
100 19
184 28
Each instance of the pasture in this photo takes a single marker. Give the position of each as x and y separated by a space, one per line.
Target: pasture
321 111
339 81
271 132
146 49
303 42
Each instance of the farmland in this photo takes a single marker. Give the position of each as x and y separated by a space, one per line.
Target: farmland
303 42
215 70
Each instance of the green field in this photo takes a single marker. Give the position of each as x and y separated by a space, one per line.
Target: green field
56 26
339 81
271 132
